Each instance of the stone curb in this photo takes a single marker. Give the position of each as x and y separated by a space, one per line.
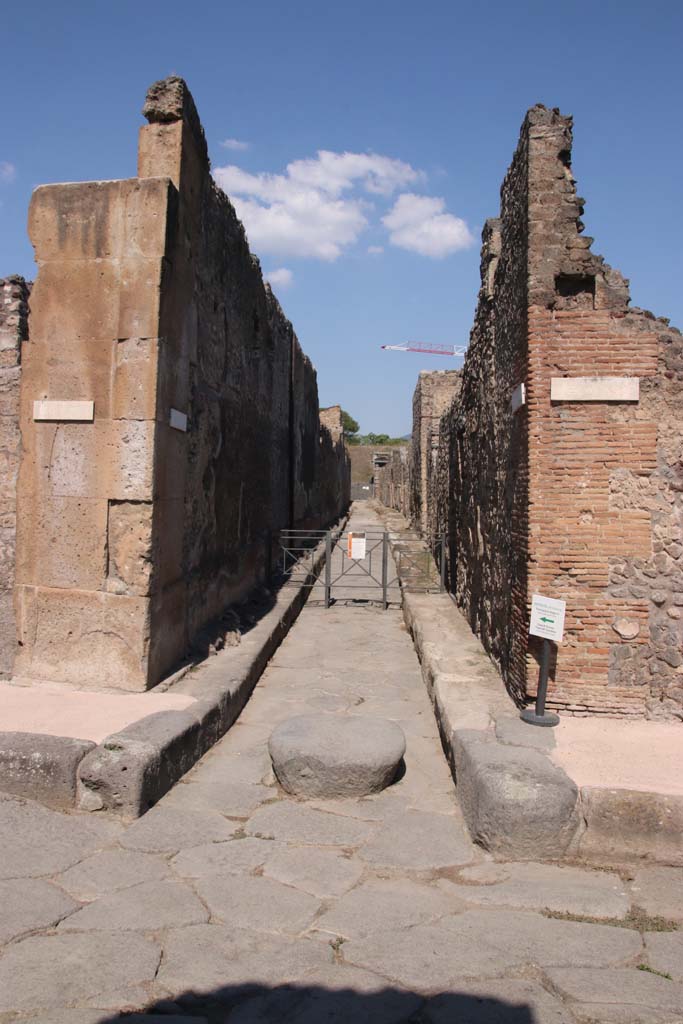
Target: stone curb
517 803
41 767
131 770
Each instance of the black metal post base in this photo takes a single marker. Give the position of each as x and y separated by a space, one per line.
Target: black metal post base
548 718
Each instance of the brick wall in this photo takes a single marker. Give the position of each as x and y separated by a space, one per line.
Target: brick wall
579 500
14 294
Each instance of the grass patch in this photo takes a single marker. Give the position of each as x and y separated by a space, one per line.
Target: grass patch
651 970
637 919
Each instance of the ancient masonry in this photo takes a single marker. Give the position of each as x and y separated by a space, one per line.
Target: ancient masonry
559 464
14 293
433 395
169 418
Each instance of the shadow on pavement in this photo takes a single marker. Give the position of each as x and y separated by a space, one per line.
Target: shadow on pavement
313 1004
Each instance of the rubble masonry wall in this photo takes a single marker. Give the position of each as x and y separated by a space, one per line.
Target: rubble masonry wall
14 293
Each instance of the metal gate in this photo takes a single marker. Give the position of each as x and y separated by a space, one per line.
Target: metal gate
360 566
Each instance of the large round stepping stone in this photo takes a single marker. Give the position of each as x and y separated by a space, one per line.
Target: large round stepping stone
336 755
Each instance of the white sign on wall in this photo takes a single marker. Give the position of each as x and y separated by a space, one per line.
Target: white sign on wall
356 549
547 617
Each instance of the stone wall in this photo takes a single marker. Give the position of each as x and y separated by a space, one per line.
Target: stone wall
394 482
433 394
14 294
142 522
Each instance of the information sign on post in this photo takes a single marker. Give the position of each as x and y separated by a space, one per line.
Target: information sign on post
547 618
356 546
547 622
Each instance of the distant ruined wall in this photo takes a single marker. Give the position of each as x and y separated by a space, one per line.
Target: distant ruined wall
139 526
334 474
575 495
393 481
433 394
14 294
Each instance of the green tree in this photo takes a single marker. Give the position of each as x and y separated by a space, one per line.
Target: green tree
350 425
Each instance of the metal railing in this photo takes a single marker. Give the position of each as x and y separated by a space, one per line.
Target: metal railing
369 577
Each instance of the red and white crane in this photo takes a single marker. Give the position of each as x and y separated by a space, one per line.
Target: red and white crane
419 346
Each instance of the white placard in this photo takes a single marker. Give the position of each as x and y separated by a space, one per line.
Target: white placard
79 412
594 389
357 546
178 420
518 397
547 618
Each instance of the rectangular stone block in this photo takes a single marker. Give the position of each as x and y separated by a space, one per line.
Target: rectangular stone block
85 639
62 543
105 459
594 389
75 300
134 394
77 221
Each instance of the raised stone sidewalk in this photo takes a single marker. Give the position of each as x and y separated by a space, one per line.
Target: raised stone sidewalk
232 902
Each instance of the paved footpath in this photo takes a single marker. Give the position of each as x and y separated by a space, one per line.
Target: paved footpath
232 902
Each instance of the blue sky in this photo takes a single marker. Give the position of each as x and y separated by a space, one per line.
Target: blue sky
426 100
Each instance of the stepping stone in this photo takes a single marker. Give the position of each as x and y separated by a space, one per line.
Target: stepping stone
333 755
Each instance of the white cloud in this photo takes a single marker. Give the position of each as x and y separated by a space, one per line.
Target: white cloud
235 144
318 207
421 224
307 211
280 278
375 250
8 172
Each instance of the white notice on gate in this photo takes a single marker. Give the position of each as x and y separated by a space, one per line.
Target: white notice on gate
547 618
357 546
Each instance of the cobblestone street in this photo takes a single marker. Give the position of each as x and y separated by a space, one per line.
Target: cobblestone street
232 902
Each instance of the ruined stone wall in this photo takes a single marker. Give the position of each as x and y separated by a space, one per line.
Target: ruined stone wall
573 495
14 294
433 394
146 518
393 481
334 474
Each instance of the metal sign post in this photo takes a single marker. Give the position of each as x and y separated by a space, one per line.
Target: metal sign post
547 622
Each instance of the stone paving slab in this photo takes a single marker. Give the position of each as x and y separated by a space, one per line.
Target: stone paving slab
659 891
29 905
257 902
166 829
323 873
150 906
419 841
64 970
215 958
508 1001
38 841
233 857
621 995
109 871
395 904
294 822
599 894
665 953
485 944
